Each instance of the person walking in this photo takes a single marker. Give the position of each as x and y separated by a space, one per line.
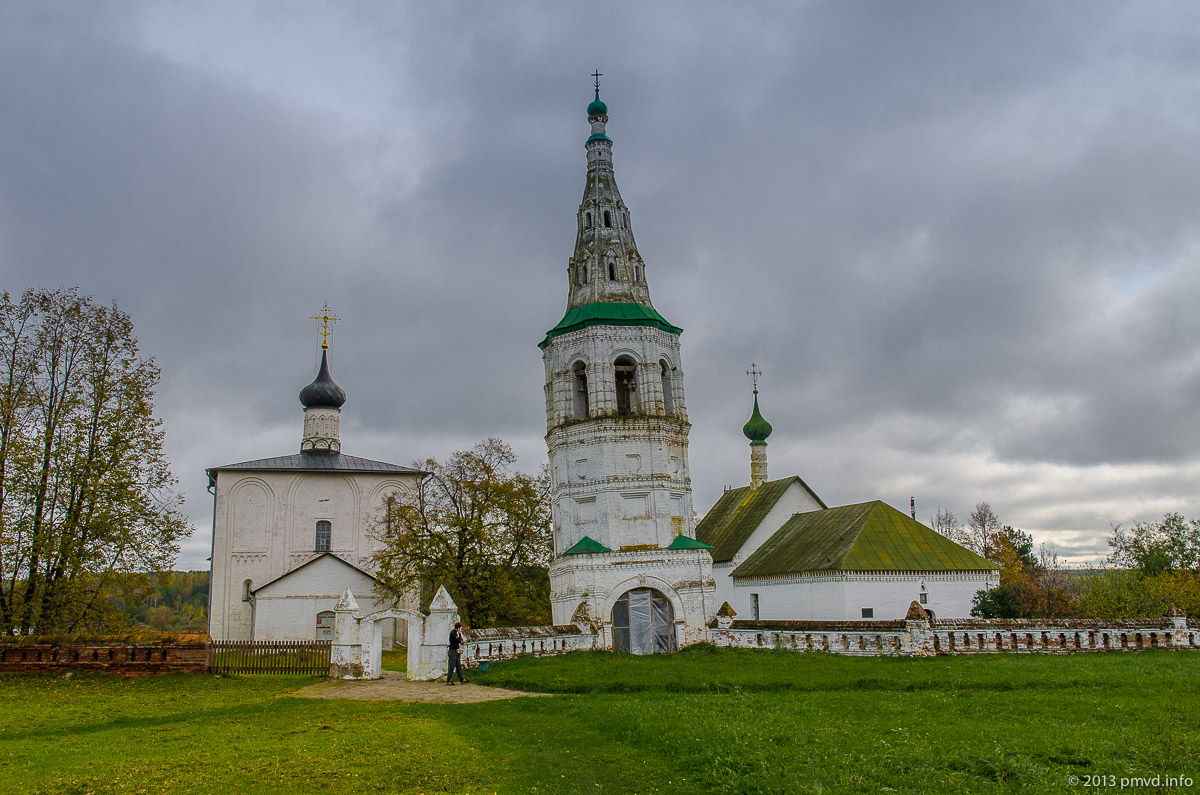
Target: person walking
455 661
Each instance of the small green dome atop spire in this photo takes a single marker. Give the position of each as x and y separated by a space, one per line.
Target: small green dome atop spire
597 106
757 429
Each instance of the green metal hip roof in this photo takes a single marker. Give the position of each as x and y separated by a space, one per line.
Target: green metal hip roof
608 314
685 542
587 546
869 536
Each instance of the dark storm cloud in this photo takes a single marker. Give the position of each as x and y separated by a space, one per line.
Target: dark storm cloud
959 238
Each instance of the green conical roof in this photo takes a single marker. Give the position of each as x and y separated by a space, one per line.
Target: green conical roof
597 106
757 429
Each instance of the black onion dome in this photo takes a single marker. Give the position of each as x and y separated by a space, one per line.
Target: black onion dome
323 392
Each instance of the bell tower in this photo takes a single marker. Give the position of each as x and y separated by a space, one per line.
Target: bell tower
617 427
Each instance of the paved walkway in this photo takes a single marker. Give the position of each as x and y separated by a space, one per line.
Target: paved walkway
394 687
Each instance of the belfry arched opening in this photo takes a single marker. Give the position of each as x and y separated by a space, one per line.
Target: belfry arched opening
643 622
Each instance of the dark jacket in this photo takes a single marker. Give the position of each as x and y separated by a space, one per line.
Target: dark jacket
455 639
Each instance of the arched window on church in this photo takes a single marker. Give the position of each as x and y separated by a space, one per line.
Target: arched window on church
584 266
579 391
587 221
324 535
668 395
247 587
626 373
607 219
612 271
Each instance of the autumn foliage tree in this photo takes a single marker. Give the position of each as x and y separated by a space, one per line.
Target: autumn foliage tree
86 495
479 529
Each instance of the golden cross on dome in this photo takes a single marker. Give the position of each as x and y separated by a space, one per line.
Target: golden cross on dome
754 373
325 321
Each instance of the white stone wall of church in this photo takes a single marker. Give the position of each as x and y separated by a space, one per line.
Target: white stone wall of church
287 609
265 525
843 599
597 347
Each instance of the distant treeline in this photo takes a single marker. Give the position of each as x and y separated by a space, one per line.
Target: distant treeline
172 601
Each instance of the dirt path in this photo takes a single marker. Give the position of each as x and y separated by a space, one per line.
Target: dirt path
394 687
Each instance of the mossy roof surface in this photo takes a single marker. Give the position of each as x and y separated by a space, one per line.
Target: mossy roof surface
738 513
868 536
587 546
602 313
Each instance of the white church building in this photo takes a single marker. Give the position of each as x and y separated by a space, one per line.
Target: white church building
291 533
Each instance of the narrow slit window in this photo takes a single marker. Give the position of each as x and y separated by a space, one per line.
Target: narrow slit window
579 391
612 272
626 386
324 534
668 395
587 221
607 219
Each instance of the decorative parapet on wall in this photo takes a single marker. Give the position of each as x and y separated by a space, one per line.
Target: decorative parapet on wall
505 643
918 635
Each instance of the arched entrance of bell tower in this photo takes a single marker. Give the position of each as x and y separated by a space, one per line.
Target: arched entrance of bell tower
643 622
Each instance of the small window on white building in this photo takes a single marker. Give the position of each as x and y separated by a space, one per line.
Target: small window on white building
868 612
324 534
247 586
754 606
924 598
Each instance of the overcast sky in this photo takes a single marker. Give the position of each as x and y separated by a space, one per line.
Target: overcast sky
960 239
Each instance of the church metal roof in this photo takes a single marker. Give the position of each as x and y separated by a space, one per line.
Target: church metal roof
603 313
316 556
315 462
869 536
738 513
587 546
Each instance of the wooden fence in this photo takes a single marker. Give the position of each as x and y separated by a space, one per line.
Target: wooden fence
269 657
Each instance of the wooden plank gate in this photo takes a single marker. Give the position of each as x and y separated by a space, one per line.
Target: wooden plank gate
269 657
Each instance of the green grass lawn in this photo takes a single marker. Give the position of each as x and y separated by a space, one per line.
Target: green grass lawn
698 721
